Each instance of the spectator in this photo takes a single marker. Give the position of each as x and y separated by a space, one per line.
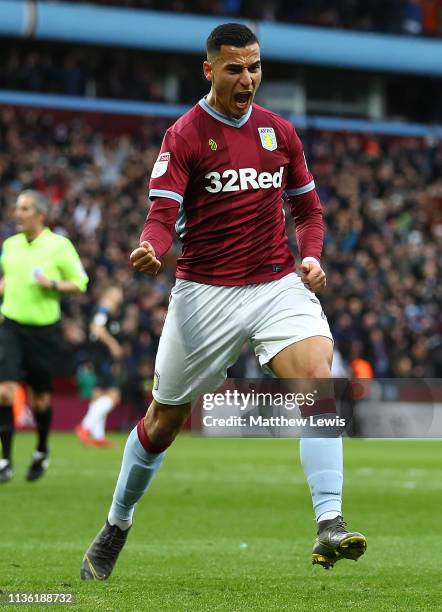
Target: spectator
399 16
382 201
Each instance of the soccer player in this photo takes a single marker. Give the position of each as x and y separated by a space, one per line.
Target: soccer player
221 174
38 267
106 352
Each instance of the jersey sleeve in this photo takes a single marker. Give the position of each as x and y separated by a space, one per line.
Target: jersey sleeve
299 179
70 266
2 255
170 173
160 224
100 317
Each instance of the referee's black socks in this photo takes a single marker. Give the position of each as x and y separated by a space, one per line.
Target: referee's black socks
6 430
43 421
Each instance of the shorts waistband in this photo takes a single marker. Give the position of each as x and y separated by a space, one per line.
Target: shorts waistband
13 323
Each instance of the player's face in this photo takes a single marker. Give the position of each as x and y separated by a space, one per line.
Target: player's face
235 74
27 218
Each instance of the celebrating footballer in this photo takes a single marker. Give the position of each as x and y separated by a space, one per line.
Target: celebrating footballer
220 179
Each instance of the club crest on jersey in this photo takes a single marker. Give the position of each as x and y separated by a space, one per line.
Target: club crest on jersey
161 165
212 144
268 138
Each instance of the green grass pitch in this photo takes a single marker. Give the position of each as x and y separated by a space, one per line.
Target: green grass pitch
227 525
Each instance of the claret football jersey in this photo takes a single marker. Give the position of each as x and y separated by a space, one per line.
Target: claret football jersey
228 177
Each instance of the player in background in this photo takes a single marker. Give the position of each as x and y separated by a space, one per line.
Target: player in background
220 177
38 267
105 352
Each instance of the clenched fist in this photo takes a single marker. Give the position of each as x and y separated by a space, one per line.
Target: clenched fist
143 259
313 276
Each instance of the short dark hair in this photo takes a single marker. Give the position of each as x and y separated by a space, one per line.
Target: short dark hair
234 34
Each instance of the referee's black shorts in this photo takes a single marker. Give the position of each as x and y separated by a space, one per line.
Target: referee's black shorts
30 353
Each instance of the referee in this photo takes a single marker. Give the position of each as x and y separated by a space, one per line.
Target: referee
38 267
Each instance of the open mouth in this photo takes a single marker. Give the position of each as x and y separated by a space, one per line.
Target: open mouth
243 98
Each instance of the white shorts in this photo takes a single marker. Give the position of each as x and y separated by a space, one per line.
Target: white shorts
207 325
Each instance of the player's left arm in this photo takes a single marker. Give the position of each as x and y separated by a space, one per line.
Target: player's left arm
73 276
306 211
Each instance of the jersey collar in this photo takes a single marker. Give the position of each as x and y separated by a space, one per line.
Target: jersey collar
42 235
237 123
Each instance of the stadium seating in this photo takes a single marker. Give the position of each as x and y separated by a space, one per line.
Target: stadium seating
384 234
403 16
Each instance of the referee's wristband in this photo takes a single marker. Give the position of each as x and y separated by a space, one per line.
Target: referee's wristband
54 284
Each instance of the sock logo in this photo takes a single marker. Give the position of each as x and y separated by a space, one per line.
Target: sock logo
156 381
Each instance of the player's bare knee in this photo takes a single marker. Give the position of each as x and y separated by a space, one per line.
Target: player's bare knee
163 430
163 422
318 371
7 392
115 396
40 402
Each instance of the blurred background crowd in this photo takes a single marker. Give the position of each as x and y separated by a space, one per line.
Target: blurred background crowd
382 195
131 74
382 200
102 74
417 17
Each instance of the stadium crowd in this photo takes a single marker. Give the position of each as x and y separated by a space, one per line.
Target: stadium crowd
101 73
96 72
382 199
416 17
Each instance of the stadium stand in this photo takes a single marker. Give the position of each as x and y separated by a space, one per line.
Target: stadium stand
382 198
414 17
122 74
98 73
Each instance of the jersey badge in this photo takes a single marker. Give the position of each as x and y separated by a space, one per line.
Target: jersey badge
268 138
212 144
161 165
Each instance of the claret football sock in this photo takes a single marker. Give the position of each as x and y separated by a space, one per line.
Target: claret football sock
6 430
322 461
43 421
137 471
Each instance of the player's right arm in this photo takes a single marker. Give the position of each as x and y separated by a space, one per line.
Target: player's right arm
144 259
167 186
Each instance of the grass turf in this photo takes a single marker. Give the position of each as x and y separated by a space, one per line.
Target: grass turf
227 525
